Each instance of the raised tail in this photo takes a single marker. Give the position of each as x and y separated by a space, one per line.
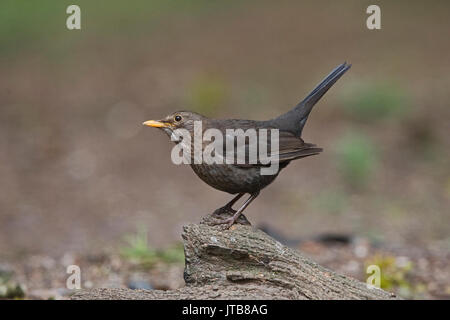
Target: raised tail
295 119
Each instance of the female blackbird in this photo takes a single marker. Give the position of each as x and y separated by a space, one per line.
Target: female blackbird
241 178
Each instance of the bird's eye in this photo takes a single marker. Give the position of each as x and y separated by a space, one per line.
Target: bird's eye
177 118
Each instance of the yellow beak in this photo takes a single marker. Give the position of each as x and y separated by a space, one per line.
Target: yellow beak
155 124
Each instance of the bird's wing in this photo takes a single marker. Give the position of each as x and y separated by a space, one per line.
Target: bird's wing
289 148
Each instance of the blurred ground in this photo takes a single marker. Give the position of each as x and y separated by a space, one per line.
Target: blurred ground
78 171
410 272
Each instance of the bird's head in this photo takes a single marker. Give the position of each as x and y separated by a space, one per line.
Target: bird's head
176 120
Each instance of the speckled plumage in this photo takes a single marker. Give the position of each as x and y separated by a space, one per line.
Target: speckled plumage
233 179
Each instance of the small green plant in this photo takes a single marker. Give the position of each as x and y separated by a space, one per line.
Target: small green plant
172 254
10 289
137 248
356 158
395 273
138 251
374 101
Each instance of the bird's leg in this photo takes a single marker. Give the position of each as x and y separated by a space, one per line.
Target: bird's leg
230 221
229 206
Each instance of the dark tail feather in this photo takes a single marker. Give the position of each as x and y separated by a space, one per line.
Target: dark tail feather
299 114
305 106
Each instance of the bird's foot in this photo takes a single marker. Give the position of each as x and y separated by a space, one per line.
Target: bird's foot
227 210
224 216
227 223
224 223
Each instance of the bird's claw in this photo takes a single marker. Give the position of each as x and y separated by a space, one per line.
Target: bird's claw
224 223
225 217
228 222
224 210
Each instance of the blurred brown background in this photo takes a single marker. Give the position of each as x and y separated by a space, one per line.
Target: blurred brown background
78 170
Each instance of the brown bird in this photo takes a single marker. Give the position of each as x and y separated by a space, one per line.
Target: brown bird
241 178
